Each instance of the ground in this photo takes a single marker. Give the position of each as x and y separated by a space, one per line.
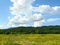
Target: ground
30 39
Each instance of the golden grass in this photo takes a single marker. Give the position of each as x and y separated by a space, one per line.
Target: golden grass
30 39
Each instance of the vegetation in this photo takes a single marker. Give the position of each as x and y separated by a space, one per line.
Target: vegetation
30 39
32 30
46 35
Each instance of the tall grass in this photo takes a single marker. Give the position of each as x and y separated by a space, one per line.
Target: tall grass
30 39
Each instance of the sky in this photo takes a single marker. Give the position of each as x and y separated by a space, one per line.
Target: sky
35 13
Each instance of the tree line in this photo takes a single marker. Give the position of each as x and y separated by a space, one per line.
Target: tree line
32 30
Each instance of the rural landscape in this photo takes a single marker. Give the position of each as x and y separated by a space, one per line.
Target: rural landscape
45 35
29 22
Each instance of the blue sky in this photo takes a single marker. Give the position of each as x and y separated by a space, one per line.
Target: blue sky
4 11
47 2
46 6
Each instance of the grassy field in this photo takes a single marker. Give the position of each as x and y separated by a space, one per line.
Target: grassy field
30 39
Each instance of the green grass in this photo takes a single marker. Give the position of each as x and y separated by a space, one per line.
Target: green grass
30 39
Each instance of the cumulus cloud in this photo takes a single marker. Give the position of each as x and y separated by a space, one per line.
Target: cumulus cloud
47 9
23 14
20 7
53 19
38 23
22 11
3 26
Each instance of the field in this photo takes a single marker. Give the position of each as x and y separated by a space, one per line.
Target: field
30 39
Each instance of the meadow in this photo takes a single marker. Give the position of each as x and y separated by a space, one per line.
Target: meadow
30 39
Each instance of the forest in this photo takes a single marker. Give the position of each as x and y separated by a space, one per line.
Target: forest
32 30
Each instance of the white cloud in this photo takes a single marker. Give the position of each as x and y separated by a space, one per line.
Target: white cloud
47 9
37 17
24 8
18 20
39 23
22 11
53 19
3 26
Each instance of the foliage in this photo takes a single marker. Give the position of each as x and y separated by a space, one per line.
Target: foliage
32 30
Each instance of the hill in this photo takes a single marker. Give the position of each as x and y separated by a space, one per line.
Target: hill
32 30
